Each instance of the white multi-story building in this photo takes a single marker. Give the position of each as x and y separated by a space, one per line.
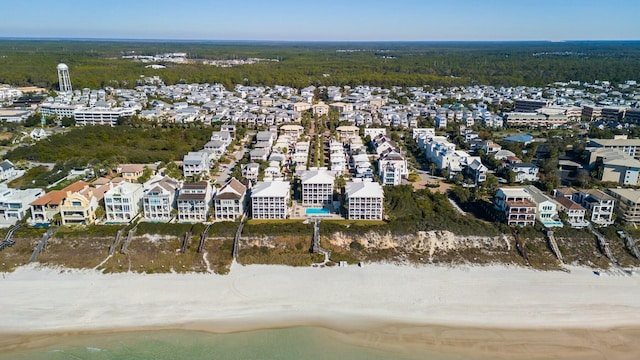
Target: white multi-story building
58 109
364 200
159 200
195 163
193 202
14 203
229 201
270 200
392 167
122 201
317 187
547 208
600 205
100 115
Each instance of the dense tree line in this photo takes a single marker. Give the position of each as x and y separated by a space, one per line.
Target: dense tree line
121 144
96 64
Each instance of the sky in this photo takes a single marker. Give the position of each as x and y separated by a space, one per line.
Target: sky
324 20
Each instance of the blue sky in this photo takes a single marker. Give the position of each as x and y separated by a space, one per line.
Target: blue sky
330 20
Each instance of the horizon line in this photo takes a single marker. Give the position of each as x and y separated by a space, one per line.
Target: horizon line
57 38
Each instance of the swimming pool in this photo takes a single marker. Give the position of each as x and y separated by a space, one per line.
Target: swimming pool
317 211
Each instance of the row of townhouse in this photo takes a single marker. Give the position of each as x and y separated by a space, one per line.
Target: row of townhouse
523 206
156 200
196 163
443 154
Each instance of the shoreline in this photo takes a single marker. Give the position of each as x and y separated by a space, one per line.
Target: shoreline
46 303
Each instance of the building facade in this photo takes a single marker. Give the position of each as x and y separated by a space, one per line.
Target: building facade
270 200
229 201
193 202
365 200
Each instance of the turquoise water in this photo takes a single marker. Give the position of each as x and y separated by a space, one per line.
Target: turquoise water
317 211
290 343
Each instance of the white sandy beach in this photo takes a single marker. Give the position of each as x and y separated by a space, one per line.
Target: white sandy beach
350 298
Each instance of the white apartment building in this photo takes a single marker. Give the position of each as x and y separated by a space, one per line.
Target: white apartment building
270 200
229 201
122 201
159 200
100 115
193 202
317 187
364 200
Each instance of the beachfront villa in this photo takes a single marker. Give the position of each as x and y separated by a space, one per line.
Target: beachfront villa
599 205
270 200
14 203
364 200
317 187
229 201
515 206
122 201
193 202
158 201
79 207
46 207
547 208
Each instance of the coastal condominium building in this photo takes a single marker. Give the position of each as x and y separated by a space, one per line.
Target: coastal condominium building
364 200
193 202
100 115
270 200
229 201
317 187
516 206
627 205
159 200
630 147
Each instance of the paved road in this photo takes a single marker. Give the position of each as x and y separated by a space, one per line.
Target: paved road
225 169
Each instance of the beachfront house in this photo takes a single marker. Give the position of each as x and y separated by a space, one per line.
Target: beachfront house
193 202
14 203
229 201
574 211
79 207
364 200
45 208
122 202
159 199
547 208
599 205
515 206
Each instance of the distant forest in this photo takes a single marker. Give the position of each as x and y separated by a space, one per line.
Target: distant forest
97 64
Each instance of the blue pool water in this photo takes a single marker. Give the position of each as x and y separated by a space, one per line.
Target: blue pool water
317 212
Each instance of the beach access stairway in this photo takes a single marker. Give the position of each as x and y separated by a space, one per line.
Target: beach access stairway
631 243
116 242
41 244
604 245
554 245
236 238
520 245
315 244
185 241
203 237
126 243
8 239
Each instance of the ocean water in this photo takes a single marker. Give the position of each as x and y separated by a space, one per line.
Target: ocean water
290 343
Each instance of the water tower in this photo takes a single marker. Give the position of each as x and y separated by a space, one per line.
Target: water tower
63 78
